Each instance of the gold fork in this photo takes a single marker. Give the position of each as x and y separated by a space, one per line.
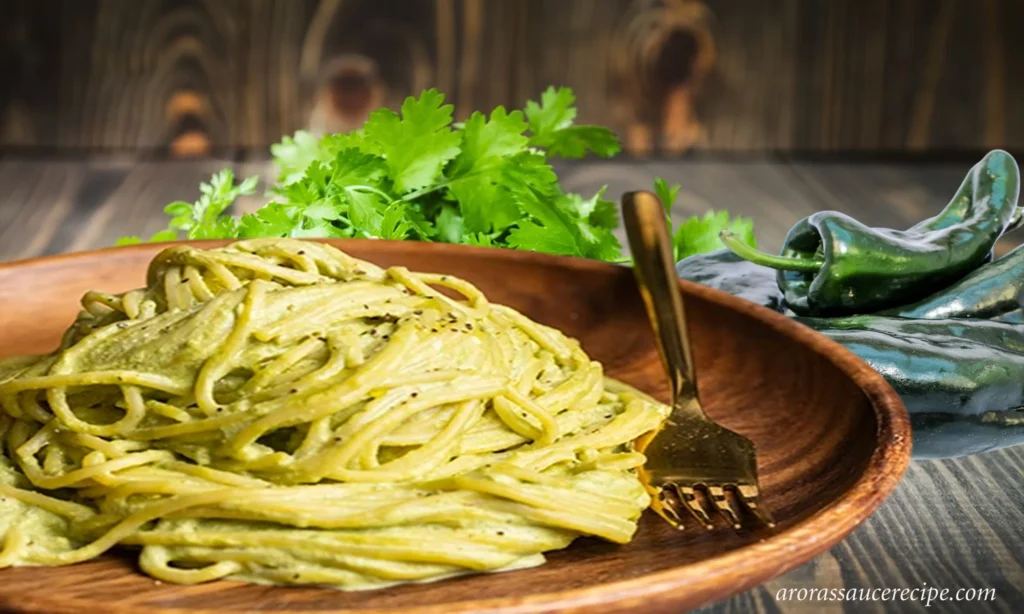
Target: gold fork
691 460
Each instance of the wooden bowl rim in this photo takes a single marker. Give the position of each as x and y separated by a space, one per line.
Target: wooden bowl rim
748 565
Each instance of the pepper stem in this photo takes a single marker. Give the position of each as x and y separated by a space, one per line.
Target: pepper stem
779 263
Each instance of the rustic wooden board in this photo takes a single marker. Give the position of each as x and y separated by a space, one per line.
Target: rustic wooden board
668 75
951 524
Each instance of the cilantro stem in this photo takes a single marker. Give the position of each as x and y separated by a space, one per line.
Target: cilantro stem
411 196
371 189
444 184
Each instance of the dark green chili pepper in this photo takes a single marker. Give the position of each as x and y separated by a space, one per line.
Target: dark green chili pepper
961 380
832 264
725 271
993 291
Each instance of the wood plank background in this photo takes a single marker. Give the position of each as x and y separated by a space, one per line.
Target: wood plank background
194 77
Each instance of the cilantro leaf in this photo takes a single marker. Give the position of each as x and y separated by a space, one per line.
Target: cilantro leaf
665 193
332 144
450 227
181 215
605 215
551 239
578 141
416 145
558 226
423 228
157 237
551 128
554 112
487 145
394 224
293 154
203 219
352 169
321 211
599 243
699 234
219 228
365 212
273 220
162 236
484 205
480 239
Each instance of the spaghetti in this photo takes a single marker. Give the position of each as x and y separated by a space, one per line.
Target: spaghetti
279 412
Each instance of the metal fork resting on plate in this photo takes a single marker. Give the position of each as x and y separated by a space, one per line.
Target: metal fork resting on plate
692 462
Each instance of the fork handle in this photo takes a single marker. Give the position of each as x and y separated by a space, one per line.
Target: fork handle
654 267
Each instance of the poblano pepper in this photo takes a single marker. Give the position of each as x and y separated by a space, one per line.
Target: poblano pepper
833 265
993 291
961 380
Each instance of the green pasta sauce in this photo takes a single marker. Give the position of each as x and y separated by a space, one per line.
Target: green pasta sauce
278 412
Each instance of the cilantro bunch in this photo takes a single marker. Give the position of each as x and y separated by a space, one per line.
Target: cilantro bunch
417 175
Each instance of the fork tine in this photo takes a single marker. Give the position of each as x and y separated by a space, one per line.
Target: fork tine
724 505
751 498
689 498
667 509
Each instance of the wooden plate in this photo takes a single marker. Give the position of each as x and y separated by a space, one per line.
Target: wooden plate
832 438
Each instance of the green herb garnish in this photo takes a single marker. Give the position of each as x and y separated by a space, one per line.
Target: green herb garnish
417 175
700 234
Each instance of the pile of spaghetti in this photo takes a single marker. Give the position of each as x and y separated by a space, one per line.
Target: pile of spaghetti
278 412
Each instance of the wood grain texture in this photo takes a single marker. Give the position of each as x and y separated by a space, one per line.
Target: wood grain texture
832 440
951 524
198 76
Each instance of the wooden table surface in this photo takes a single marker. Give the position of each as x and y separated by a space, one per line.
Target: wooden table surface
951 524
